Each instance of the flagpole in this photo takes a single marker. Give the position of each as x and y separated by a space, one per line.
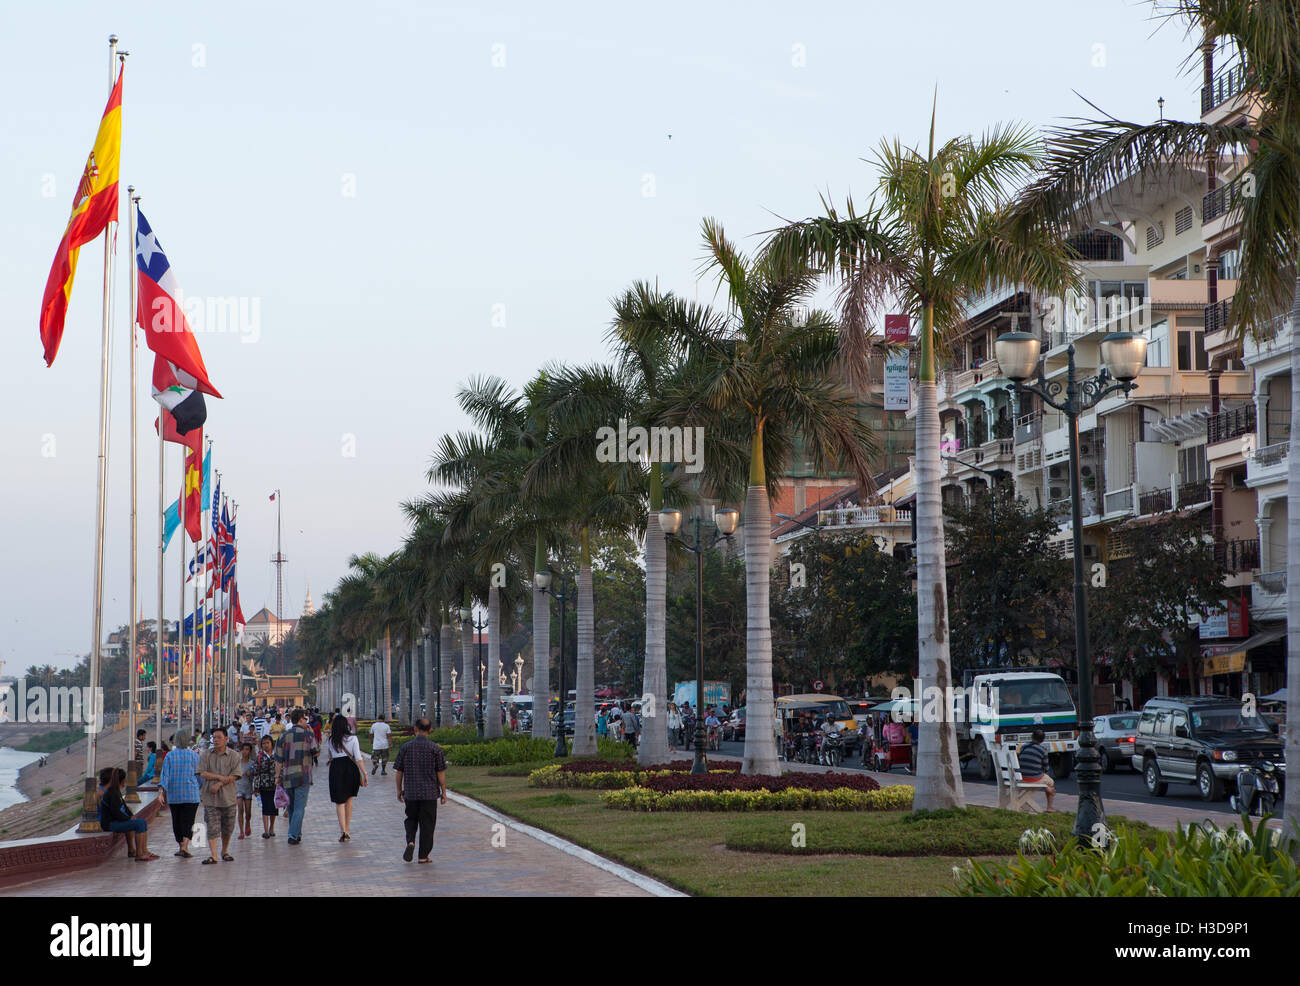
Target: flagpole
159 667
89 807
180 626
133 764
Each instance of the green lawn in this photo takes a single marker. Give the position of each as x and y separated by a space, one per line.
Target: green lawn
751 853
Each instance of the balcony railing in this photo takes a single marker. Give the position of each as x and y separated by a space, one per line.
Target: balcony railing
1029 427
1155 502
1238 556
1193 493
863 516
1230 423
1216 317
1222 88
1219 202
1271 455
1119 500
1274 583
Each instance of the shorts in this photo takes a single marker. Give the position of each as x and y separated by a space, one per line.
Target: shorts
1047 782
219 820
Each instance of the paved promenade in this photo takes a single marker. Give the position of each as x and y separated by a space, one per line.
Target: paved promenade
465 860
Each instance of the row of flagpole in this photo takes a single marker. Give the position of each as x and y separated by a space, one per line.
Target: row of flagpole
179 382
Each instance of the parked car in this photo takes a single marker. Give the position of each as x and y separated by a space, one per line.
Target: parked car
1116 735
1202 741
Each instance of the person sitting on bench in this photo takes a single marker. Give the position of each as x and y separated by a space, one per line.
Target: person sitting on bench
1033 758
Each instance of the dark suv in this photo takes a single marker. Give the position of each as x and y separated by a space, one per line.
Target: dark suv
1202 741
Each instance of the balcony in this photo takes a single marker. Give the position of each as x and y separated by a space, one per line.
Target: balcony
1268 595
1225 86
1239 555
1190 494
1029 427
1220 210
1217 317
1274 583
1231 423
1155 502
1119 501
873 516
1268 465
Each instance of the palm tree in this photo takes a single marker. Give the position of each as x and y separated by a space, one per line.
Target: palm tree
646 325
940 235
759 375
1085 159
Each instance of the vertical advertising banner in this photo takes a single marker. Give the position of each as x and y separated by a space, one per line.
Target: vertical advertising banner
898 390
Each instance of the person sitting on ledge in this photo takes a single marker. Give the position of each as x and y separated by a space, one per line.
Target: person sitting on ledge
115 816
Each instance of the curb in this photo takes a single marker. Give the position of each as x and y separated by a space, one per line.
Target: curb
639 880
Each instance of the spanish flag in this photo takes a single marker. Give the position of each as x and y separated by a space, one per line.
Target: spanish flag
93 207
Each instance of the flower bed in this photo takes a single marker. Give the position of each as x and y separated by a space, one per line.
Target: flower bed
601 775
680 766
669 782
895 797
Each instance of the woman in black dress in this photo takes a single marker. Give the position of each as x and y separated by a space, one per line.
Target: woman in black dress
347 772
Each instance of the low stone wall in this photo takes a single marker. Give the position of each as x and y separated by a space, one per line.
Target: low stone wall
30 859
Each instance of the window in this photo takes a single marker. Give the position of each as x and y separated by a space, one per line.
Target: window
1192 464
1147 726
1230 264
1162 723
1191 350
1154 236
1180 719
1182 220
1158 344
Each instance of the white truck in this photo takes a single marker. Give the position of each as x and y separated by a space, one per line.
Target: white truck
1003 706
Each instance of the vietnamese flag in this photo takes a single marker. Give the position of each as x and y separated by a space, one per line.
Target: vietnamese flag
192 492
93 207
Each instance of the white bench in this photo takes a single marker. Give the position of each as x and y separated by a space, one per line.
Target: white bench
1014 791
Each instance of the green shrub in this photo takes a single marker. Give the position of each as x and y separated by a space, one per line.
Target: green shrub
500 752
555 775
609 749
794 799
49 742
1198 861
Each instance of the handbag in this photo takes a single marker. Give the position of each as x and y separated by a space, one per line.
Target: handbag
281 797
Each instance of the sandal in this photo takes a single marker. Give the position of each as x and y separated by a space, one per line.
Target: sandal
183 854
210 861
146 859
425 860
227 858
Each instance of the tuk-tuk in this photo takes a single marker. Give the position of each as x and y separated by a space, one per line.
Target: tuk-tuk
796 726
832 708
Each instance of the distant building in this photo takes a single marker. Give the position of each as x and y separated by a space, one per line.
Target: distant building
266 626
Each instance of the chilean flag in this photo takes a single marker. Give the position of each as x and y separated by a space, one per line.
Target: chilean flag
179 377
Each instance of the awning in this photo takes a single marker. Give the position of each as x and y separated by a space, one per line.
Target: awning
1235 660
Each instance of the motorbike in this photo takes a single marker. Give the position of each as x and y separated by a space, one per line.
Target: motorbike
830 751
807 752
1259 789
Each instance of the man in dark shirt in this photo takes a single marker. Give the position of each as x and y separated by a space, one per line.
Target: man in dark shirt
421 784
1033 765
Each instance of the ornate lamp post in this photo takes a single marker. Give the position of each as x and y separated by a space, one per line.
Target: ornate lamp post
670 521
1122 356
467 617
544 580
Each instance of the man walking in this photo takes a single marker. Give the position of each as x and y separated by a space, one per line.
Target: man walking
219 768
380 731
421 769
293 759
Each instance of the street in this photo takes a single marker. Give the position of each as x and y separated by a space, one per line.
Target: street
1122 785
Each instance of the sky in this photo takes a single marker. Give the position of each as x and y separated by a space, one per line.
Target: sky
401 196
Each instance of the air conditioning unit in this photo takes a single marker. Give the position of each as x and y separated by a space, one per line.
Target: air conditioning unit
1238 481
1057 493
1058 472
1085 471
1085 449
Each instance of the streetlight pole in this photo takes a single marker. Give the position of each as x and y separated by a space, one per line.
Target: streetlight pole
544 580
1123 353
670 522
467 617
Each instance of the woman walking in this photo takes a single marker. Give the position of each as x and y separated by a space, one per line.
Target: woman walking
179 782
674 727
244 791
347 772
264 785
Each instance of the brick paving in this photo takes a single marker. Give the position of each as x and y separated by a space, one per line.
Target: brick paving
465 862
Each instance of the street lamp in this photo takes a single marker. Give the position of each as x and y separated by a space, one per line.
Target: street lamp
1122 356
467 617
543 581
670 522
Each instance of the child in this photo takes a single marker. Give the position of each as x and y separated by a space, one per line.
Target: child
264 784
244 791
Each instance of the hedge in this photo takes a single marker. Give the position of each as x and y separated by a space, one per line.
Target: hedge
500 752
559 775
679 766
668 782
895 797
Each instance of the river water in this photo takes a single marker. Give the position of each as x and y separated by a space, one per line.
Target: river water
11 761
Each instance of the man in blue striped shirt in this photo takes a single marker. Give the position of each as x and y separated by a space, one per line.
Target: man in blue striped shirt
1033 759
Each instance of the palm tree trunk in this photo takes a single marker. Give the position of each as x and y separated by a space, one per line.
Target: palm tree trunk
408 685
1291 794
492 693
654 697
584 718
760 710
938 772
541 650
446 661
426 690
386 686
469 674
